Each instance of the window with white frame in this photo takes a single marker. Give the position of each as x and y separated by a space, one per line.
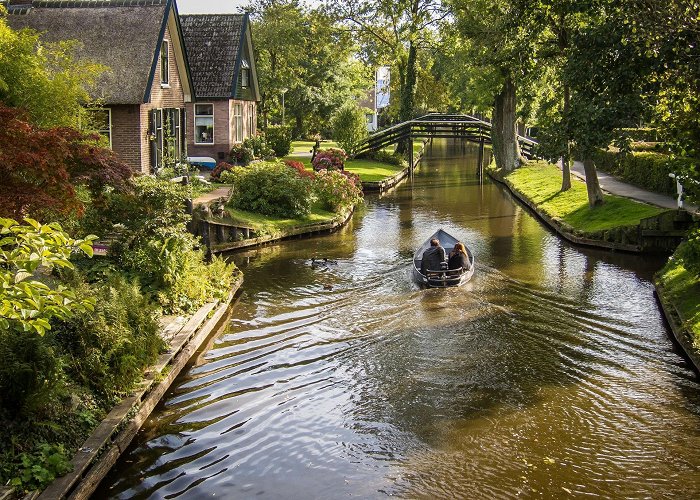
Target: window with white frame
164 63
245 74
238 121
251 120
204 124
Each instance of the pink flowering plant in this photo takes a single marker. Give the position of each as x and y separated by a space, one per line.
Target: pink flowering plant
337 191
330 159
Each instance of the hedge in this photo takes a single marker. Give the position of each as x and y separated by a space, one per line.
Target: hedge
644 169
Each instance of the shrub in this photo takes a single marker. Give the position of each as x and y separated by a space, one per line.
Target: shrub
220 168
109 348
349 126
300 168
154 246
271 188
40 168
645 169
240 155
258 144
337 191
279 138
41 467
28 251
689 252
330 159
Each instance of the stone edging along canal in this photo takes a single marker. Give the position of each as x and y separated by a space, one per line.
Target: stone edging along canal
212 230
390 182
113 435
668 308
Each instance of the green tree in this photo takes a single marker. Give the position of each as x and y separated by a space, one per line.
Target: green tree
394 32
349 126
500 56
607 84
667 34
305 55
43 78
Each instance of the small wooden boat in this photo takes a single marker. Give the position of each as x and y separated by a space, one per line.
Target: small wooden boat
442 278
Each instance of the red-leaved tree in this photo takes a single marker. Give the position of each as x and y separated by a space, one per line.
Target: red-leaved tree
40 168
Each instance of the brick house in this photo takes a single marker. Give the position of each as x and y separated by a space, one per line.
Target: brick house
219 49
144 93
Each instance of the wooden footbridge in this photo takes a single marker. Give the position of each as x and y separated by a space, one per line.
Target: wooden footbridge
437 125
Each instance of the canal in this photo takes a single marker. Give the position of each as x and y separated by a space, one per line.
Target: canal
550 374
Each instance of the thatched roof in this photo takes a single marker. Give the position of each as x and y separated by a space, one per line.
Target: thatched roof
120 34
213 42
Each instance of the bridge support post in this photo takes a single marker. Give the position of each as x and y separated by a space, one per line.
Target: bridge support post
410 155
480 167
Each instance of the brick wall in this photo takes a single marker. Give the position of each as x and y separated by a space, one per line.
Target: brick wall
126 134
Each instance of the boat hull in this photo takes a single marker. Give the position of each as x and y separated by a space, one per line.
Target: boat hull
442 278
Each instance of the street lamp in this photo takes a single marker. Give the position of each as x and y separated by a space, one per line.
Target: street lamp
284 91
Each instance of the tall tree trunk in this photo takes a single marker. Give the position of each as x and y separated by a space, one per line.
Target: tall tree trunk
595 194
298 125
566 157
504 136
408 95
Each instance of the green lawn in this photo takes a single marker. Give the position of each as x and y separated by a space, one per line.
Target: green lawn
272 225
368 170
683 289
371 170
541 181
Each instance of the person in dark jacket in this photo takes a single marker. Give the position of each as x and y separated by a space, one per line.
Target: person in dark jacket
433 257
458 257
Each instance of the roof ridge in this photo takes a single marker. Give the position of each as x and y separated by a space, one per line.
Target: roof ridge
87 3
228 14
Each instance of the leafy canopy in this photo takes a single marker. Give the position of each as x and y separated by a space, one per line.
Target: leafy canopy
45 79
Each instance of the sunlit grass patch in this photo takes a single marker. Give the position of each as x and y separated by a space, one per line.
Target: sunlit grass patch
683 289
371 170
541 183
273 225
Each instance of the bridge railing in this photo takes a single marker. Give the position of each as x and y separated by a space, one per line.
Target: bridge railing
437 125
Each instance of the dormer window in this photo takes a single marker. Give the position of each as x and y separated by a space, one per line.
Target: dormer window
164 64
245 74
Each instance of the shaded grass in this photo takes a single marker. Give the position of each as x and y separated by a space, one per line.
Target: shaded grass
682 288
269 224
307 146
541 181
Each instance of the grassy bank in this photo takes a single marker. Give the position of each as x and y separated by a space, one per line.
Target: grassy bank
681 288
541 182
369 170
266 224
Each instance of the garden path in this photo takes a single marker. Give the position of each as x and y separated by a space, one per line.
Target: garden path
206 198
614 186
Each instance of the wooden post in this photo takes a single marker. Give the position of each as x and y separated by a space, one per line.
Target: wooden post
480 167
410 154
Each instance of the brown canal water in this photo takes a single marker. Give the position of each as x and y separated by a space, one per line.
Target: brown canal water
551 374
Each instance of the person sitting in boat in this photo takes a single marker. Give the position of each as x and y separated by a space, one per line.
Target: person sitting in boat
433 257
458 257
